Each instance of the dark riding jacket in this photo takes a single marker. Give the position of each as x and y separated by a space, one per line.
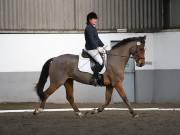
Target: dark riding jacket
92 38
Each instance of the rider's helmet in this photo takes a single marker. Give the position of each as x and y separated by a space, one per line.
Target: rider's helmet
91 15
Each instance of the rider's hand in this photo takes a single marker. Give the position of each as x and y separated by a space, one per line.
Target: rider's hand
105 47
101 50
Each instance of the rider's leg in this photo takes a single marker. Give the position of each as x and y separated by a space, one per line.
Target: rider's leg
95 54
96 77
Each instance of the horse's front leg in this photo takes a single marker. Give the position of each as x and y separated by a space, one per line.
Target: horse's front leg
108 95
121 91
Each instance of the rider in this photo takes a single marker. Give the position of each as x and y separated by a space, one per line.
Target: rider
94 45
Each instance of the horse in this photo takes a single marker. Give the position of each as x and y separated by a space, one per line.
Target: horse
63 70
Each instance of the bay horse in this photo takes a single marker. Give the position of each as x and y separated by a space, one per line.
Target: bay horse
63 70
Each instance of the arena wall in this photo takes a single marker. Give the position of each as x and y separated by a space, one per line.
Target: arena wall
22 56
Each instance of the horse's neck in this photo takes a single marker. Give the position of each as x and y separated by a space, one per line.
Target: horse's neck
123 52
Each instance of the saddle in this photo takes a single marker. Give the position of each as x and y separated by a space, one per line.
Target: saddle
95 66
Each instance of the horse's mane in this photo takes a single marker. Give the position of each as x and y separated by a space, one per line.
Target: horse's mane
127 40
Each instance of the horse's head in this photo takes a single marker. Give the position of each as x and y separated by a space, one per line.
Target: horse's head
138 51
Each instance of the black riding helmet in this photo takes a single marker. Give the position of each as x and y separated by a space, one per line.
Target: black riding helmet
91 15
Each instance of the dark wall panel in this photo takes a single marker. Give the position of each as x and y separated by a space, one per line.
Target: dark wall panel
174 13
36 14
65 15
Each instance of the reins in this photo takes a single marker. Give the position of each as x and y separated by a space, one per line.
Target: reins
111 54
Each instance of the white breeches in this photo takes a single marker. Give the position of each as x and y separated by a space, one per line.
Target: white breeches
95 54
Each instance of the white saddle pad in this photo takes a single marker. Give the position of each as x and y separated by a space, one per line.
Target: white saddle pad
84 65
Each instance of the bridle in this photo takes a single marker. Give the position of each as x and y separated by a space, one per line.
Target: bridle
134 53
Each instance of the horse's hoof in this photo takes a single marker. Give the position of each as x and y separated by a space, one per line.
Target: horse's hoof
135 115
37 111
79 114
94 111
86 113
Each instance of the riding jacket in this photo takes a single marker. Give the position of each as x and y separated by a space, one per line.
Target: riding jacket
92 38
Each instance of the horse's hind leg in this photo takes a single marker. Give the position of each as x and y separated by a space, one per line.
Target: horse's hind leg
70 96
52 88
108 96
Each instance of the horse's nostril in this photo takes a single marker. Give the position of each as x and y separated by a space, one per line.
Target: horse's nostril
141 64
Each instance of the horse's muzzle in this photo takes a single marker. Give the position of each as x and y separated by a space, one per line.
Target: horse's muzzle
140 64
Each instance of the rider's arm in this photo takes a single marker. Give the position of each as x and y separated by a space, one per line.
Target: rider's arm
100 43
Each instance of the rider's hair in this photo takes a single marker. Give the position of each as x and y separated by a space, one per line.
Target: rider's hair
91 15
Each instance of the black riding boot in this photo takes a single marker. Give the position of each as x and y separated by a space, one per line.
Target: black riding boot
98 79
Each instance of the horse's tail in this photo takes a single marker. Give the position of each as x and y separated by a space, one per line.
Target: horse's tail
42 79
